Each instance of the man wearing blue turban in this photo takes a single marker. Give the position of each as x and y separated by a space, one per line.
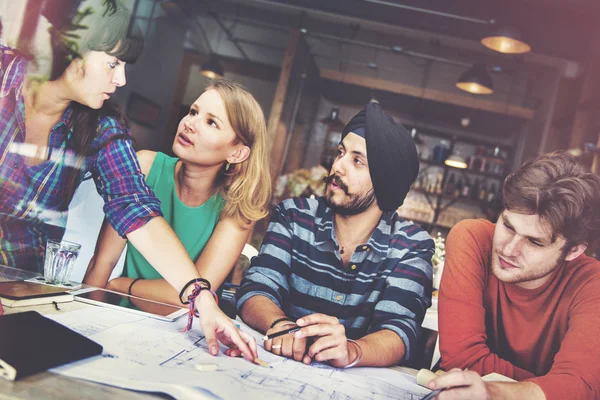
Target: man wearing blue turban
345 268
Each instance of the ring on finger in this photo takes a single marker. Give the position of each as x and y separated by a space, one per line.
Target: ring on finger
276 346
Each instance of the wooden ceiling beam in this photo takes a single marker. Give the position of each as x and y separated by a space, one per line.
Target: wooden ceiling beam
428 94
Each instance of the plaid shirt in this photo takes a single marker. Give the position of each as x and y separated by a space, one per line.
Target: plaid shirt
387 284
33 204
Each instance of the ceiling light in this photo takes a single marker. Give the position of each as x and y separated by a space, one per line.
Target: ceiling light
506 40
476 80
212 69
456 161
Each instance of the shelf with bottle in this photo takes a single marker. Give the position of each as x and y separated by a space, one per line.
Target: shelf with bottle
472 171
489 160
420 208
457 185
442 196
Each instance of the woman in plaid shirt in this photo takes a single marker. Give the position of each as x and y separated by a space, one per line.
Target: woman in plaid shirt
53 132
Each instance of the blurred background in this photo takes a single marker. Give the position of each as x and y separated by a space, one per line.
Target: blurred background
481 86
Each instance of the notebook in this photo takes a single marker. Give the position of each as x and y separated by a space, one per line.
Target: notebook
31 343
21 294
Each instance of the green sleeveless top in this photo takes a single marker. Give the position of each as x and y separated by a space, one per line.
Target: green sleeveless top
193 225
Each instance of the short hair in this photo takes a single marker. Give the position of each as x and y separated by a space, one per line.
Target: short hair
562 192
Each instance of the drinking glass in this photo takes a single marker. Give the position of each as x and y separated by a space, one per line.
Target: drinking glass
59 261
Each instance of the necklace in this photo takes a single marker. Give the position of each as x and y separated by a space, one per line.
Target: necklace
342 248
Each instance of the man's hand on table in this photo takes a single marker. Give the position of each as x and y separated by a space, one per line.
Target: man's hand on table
459 384
287 345
330 342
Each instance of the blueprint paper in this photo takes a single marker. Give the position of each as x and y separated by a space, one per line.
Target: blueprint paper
144 354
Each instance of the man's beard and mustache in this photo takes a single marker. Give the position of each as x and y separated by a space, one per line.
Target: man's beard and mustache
358 204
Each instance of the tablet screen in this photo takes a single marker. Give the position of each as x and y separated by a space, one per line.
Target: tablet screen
112 299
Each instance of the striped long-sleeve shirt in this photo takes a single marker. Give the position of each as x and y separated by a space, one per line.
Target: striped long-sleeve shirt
386 285
33 202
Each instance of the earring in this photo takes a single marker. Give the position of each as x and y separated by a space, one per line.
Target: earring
227 166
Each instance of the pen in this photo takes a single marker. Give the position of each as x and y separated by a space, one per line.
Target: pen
281 333
262 363
433 394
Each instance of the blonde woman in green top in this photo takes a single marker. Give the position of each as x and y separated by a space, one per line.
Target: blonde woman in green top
211 194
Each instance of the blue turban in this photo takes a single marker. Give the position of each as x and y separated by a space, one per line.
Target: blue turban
391 154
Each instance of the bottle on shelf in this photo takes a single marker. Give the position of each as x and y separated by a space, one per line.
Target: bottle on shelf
441 152
492 193
458 188
450 185
482 191
333 135
476 161
475 190
438 185
466 190
497 167
418 142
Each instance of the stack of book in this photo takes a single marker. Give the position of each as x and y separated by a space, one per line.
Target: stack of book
22 294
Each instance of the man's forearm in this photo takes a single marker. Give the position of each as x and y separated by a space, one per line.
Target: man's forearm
381 349
259 312
520 390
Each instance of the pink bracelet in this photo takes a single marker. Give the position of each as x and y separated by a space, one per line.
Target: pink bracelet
192 303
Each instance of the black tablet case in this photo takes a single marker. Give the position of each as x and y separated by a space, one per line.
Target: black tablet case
31 343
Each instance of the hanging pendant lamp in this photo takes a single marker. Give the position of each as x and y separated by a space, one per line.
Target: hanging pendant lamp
212 68
476 80
456 161
506 40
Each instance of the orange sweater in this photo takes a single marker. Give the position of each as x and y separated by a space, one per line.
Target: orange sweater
549 335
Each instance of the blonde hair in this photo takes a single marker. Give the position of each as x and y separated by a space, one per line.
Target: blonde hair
246 186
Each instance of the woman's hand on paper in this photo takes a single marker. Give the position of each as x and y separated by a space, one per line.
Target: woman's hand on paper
218 327
330 342
287 345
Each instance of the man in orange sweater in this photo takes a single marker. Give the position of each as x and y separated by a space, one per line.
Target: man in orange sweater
519 297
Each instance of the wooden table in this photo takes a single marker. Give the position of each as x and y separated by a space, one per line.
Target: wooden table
48 385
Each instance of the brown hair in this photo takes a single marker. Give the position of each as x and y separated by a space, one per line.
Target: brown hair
110 31
245 186
559 190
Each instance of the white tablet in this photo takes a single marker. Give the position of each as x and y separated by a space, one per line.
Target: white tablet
123 302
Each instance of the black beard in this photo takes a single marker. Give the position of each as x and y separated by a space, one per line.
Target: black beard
358 203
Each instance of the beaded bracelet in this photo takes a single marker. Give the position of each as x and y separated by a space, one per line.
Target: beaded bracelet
353 363
278 320
131 285
195 281
191 301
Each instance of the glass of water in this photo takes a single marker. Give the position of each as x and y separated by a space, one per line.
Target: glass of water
59 262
